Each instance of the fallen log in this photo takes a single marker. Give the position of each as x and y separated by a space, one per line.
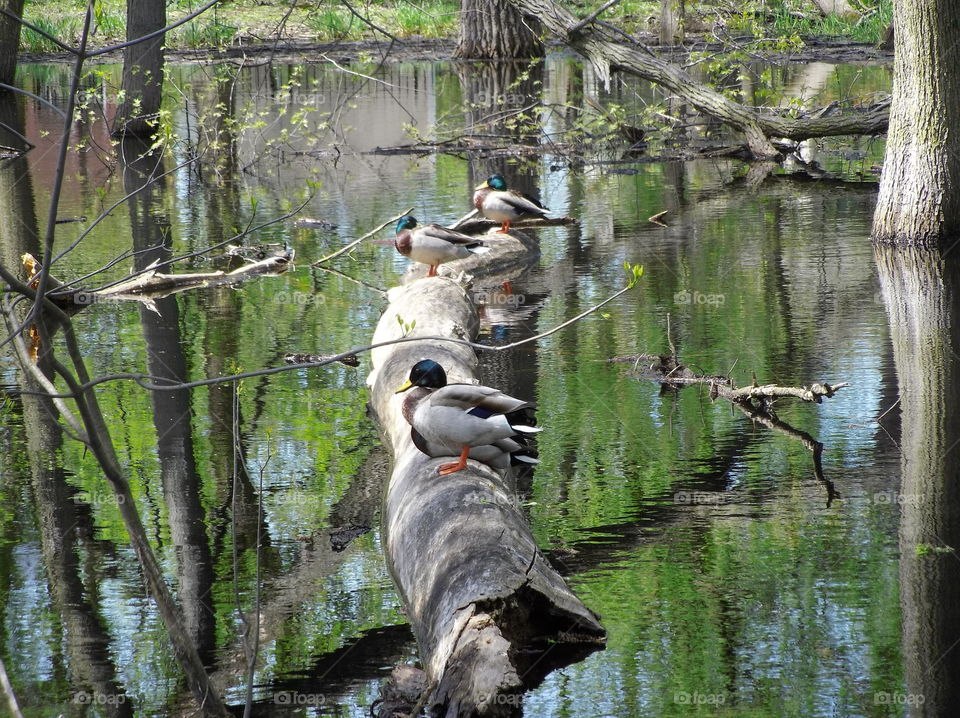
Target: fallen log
606 52
490 614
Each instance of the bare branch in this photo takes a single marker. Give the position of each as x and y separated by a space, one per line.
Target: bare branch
42 100
148 381
43 33
355 242
593 16
156 33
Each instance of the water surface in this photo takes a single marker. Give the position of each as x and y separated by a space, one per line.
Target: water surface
730 580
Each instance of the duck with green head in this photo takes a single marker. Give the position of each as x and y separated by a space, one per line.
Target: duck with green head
494 201
432 244
466 419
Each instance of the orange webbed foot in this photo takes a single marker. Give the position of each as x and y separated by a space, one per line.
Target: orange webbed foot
445 469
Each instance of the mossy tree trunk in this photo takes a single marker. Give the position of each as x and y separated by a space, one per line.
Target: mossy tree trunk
919 202
495 30
9 40
671 21
142 69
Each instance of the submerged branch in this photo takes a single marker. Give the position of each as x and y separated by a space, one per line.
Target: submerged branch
669 372
815 447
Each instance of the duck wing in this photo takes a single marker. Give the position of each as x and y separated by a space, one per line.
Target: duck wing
435 231
468 397
522 202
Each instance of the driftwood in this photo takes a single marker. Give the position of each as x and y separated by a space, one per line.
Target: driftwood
755 401
607 51
149 283
490 614
667 370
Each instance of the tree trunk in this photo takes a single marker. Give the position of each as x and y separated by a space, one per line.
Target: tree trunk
490 614
495 30
9 40
886 42
921 291
919 201
671 22
142 69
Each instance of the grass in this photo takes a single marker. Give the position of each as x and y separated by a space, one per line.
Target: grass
870 27
252 20
326 20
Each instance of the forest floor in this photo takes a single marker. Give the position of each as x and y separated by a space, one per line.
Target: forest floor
411 49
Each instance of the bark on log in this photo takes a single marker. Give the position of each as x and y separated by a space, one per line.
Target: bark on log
606 54
491 616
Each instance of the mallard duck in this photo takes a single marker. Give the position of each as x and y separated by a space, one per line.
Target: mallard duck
432 244
494 201
452 418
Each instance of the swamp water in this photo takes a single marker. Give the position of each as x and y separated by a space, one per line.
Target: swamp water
731 579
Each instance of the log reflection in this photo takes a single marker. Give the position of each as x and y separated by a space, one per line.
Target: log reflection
921 291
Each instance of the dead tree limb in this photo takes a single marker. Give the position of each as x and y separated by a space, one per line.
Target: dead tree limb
150 284
490 614
669 372
606 54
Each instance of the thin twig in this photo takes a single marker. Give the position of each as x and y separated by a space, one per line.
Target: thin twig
11 697
43 274
591 17
367 285
370 23
36 98
43 33
155 33
41 378
146 381
355 242
354 72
